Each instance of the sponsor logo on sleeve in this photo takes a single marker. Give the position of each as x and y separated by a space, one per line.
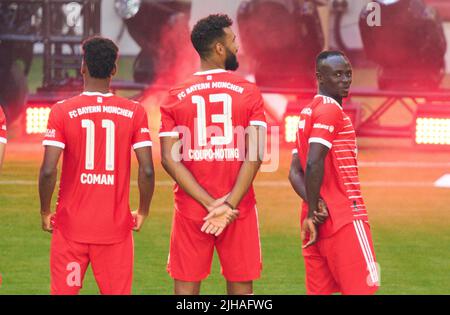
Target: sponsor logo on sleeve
306 111
301 124
322 126
50 133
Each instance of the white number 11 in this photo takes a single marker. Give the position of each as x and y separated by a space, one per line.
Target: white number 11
90 143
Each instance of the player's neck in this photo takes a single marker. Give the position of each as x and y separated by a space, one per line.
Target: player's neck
206 65
97 85
336 98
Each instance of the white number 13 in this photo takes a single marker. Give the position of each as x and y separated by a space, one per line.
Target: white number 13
224 118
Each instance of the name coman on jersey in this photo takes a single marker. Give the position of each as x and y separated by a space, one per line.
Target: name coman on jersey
96 132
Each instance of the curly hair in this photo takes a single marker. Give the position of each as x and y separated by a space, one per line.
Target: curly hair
100 55
208 30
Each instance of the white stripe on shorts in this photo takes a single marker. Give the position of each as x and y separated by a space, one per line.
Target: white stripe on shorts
366 250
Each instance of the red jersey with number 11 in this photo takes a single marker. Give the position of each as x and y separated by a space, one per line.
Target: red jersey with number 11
97 132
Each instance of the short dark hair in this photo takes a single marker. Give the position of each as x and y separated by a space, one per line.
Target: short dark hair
100 55
208 30
325 54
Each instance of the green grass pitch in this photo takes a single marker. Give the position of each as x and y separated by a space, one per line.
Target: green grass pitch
409 226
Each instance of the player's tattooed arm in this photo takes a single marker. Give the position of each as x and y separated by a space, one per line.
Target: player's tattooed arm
47 182
182 175
146 184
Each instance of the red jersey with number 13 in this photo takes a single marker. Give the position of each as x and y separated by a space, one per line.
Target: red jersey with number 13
209 113
97 132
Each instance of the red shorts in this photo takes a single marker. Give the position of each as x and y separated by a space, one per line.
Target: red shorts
238 247
112 265
343 262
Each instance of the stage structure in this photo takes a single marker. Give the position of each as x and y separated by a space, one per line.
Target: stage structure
60 26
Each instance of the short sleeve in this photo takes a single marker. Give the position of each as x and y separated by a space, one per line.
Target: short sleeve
141 134
3 138
54 136
168 125
256 110
326 123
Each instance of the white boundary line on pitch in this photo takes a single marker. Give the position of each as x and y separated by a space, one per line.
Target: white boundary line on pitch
404 164
278 183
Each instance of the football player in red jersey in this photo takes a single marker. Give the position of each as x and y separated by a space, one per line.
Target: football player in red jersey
3 138
218 119
337 243
93 222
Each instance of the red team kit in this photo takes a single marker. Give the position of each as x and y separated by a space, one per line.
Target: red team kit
93 222
209 113
343 259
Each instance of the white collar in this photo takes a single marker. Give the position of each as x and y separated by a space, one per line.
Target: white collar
213 71
97 94
328 99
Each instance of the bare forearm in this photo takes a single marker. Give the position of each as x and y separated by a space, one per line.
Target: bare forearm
47 182
246 175
187 182
146 184
313 182
2 154
254 148
297 181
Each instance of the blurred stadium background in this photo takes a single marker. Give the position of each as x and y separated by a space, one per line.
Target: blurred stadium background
399 104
